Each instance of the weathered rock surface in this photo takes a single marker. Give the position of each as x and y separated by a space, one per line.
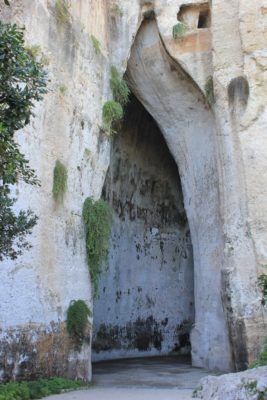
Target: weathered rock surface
248 385
220 151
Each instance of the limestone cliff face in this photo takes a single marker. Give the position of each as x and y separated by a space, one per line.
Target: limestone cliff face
219 150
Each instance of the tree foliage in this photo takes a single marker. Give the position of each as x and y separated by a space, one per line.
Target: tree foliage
22 82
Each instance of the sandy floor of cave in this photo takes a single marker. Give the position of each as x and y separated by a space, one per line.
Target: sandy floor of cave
158 378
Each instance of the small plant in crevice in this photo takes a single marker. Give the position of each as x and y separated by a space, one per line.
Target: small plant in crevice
96 44
62 11
60 179
251 389
197 392
77 323
63 89
37 55
262 282
34 51
179 30
119 87
28 390
209 90
116 10
112 112
97 218
262 357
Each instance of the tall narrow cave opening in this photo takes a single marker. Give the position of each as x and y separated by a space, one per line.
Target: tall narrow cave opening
145 302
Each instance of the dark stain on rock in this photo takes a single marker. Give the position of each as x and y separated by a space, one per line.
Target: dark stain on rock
143 335
34 351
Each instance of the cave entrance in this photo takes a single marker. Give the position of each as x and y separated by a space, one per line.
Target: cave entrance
188 126
145 305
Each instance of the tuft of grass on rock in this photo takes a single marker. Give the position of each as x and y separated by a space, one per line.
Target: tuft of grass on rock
78 325
59 181
119 87
179 30
112 112
62 12
96 44
209 91
116 10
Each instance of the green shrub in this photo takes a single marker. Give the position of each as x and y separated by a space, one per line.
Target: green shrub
59 181
262 282
119 87
97 217
77 320
36 389
112 112
209 91
62 12
96 44
179 30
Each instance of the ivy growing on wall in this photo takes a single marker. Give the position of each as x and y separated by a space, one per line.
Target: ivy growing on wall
78 325
97 217
59 181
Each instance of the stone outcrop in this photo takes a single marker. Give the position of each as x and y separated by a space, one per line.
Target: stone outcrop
219 148
248 385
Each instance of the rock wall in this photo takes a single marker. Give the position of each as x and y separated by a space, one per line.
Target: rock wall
38 287
219 150
145 304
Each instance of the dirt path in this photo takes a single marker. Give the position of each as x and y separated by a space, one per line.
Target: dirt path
125 394
165 378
